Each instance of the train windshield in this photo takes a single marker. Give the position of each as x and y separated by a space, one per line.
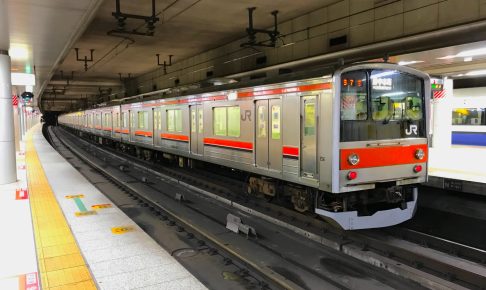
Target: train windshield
381 104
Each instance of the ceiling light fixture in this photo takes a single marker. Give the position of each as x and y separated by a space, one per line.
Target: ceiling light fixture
472 52
466 59
467 54
476 73
405 62
22 79
18 52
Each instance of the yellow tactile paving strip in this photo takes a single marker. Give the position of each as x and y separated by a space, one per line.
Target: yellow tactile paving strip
61 265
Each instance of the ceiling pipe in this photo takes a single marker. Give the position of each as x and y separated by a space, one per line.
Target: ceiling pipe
107 83
465 33
88 16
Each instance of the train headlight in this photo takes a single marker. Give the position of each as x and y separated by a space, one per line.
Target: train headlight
353 159
419 154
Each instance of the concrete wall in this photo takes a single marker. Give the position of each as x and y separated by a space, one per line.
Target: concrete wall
361 21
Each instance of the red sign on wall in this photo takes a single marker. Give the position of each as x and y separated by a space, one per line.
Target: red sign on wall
21 193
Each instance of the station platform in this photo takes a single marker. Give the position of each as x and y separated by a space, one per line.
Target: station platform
458 168
60 232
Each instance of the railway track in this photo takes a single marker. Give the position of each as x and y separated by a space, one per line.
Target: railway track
385 249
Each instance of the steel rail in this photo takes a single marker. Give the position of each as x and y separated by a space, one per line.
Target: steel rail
394 255
265 271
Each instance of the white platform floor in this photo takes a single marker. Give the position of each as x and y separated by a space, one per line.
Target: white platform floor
458 162
118 253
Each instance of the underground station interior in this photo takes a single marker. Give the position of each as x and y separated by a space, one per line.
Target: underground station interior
209 144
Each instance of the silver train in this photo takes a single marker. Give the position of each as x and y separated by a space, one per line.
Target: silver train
350 147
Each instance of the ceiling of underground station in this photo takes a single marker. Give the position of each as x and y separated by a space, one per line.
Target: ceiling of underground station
185 28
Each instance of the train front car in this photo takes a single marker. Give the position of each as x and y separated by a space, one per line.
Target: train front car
380 125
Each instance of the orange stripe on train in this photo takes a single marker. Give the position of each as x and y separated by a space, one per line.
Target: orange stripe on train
175 137
229 143
382 156
143 133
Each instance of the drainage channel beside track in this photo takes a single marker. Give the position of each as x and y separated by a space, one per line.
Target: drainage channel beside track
426 266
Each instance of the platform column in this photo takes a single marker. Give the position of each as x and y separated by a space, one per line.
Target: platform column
8 172
442 117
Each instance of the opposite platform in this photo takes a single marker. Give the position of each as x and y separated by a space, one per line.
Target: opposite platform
87 241
458 168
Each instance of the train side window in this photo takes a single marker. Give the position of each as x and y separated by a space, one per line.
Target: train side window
234 121
142 120
124 120
200 121
469 116
174 120
132 120
158 119
310 119
276 122
107 120
193 121
262 122
354 97
226 121
219 121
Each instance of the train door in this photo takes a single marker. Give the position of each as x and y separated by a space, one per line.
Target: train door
154 126
268 141
157 120
131 125
196 140
308 136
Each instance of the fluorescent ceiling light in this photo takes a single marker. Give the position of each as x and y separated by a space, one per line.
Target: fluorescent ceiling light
469 58
472 52
22 79
466 53
18 52
476 72
409 62
446 57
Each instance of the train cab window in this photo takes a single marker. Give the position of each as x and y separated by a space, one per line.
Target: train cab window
261 122
354 97
395 96
142 120
226 121
174 120
201 123
276 122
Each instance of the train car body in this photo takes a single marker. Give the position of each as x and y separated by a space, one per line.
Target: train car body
468 121
350 146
